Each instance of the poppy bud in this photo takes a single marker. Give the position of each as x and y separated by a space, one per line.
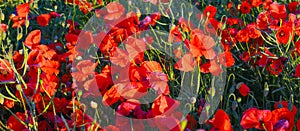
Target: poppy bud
234 105
94 105
54 14
239 99
243 89
43 19
231 90
266 90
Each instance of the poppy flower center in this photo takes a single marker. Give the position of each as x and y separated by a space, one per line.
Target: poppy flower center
3 72
282 33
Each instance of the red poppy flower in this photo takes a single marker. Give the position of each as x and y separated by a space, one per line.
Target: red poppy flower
285 104
283 119
85 68
71 55
267 4
164 105
22 10
130 108
159 82
191 122
202 45
186 63
61 105
54 14
44 125
3 28
211 67
255 3
175 35
264 60
84 5
85 39
297 27
135 48
49 84
6 72
254 118
104 81
284 33
131 90
226 59
221 121
210 11
114 11
243 89
148 67
278 11
263 20
245 56
14 124
243 35
72 39
50 67
233 21
155 17
119 57
297 72
33 39
253 32
292 6
245 7
9 103
72 27
276 66
228 40
43 19
111 96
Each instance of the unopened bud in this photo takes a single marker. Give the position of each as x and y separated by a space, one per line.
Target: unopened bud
94 105
266 91
234 105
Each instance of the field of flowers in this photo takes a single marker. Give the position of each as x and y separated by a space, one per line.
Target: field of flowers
135 65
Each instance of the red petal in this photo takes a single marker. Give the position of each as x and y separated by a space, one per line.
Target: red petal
33 39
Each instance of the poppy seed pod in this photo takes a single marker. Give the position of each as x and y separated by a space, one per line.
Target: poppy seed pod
193 100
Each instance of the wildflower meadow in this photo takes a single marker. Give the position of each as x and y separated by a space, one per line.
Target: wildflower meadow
157 65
